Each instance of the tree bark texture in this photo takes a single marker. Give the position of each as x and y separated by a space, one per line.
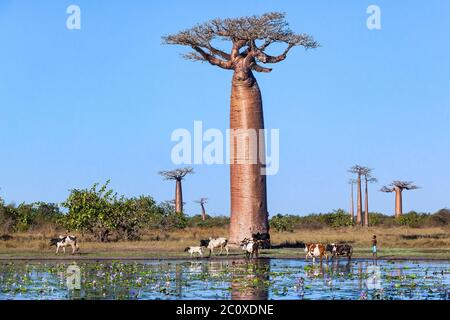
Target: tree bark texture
248 182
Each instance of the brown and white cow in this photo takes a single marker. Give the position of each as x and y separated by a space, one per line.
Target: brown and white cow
315 250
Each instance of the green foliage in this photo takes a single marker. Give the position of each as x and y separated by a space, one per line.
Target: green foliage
338 218
100 211
210 222
411 219
27 216
167 219
91 210
282 223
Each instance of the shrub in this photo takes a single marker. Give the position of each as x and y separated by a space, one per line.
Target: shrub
411 219
210 222
281 223
440 218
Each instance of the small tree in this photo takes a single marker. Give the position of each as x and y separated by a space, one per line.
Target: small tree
178 175
202 202
398 187
91 210
101 211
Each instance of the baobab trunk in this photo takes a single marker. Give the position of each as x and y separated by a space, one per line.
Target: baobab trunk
248 181
178 197
203 211
366 206
359 202
352 208
398 203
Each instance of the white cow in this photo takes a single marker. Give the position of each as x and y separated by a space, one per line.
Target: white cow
193 250
212 243
63 242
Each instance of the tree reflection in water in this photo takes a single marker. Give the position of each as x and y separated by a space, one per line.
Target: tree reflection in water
250 279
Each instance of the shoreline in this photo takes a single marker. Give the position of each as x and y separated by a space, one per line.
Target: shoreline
222 258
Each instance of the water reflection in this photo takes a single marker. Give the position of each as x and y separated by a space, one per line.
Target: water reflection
237 279
250 280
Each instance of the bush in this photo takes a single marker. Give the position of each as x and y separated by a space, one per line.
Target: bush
101 212
411 219
210 222
26 217
167 219
281 223
378 219
339 218
440 218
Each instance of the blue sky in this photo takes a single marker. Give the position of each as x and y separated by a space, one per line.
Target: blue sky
84 106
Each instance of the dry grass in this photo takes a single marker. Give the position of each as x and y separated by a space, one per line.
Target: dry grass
395 237
156 244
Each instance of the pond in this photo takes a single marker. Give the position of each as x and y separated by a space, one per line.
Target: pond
225 279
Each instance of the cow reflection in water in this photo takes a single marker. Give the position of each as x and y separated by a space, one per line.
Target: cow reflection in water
195 267
327 273
250 279
341 269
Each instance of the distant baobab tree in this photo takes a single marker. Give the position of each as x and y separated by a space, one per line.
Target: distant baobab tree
177 175
202 202
250 37
359 171
352 182
398 187
367 179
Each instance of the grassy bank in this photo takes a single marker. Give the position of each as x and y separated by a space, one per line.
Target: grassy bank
395 242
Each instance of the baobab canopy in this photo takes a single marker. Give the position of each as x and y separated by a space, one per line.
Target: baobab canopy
402 185
251 36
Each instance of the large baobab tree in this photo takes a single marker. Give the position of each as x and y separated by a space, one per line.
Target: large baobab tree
368 178
359 171
202 202
177 175
250 37
398 187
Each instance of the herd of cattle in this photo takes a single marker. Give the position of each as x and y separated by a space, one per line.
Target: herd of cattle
261 241
250 246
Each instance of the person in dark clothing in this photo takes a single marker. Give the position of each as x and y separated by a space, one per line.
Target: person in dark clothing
374 247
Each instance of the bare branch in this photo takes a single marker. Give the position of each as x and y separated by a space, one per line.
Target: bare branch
202 201
243 33
387 189
177 174
359 170
213 60
402 185
259 68
220 53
